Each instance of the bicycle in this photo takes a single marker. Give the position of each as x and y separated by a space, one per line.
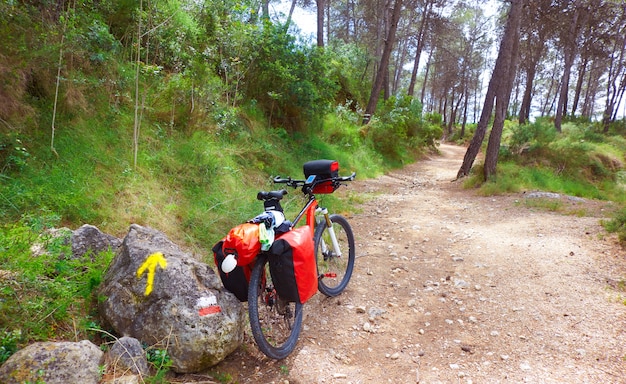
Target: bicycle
276 323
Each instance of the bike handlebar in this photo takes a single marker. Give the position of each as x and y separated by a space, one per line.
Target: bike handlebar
295 183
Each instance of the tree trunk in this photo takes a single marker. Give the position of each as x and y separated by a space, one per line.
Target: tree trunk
524 111
582 72
614 90
383 67
320 22
291 9
418 49
501 80
568 61
505 87
426 72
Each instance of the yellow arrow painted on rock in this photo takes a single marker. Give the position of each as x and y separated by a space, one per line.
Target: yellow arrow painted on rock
151 263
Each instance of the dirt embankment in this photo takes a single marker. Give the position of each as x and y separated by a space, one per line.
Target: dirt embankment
452 287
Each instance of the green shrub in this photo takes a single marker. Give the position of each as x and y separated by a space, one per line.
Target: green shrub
617 225
8 343
48 293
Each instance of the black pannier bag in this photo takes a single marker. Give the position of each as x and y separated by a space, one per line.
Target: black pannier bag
323 169
292 265
236 281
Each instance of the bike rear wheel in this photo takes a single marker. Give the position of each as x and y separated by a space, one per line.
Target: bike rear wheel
275 323
334 266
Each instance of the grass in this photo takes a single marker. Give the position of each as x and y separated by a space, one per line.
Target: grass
44 296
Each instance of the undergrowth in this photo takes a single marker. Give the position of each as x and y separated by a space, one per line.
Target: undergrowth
45 292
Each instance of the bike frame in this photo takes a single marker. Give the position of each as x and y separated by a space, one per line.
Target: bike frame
310 210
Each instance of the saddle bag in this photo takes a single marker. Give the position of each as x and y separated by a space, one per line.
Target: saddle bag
292 265
323 169
235 281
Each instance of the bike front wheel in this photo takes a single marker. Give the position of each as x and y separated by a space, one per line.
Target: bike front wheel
335 262
275 323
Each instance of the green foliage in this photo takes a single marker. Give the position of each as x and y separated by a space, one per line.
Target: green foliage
161 362
398 129
580 161
617 225
13 154
348 63
529 137
223 377
8 343
289 81
43 294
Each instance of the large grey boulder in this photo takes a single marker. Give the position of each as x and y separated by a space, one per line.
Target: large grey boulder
163 297
54 363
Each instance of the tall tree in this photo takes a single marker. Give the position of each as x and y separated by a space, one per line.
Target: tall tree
425 15
383 68
569 38
501 82
505 87
320 22
616 81
534 37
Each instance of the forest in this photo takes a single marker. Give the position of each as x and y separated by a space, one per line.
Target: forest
173 113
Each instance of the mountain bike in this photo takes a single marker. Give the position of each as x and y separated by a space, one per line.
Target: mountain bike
275 322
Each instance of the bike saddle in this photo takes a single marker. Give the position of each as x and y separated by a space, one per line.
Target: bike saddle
271 195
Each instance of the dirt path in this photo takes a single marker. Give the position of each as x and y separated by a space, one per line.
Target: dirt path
452 287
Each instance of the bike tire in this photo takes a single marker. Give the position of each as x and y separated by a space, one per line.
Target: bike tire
334 272
275 333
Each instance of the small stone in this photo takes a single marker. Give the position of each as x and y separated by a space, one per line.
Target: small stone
421 331
454 366
504 357
472 319
450 322
524 366
495 333
360 309
478 287
367 327
395 356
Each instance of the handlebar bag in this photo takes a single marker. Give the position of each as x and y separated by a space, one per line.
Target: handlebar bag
323 169
292 265
236 281
243 240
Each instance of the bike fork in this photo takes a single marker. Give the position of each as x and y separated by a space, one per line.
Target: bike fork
331 231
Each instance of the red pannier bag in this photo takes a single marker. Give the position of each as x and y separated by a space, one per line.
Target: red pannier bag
235 281
292 265
243 241
322 169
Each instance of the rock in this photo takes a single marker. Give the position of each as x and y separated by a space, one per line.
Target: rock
90 239
163 297
127 379
374 312
542 195
127 356
54 363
